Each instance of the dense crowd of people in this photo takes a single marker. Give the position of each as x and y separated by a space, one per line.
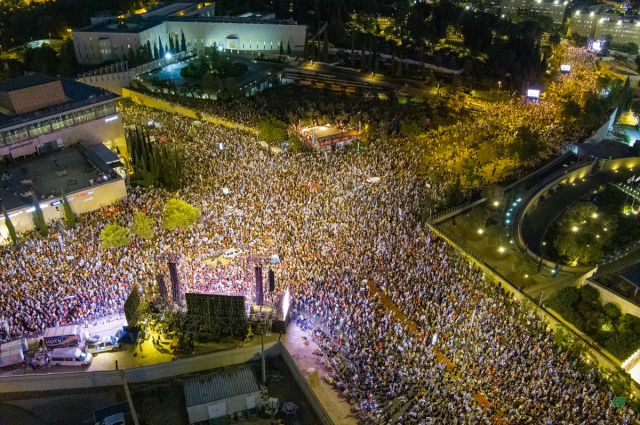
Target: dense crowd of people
458 350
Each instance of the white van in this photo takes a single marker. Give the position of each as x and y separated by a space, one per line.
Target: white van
70 357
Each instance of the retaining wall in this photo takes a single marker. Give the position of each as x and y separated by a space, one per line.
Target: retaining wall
608 296
595 351
62 380
81 201
163 105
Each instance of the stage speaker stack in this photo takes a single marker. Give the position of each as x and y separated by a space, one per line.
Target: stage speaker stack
259 287
272 281
176 290
162 287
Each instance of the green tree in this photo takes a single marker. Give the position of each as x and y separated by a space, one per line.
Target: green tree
582 232
183 42
526 146
143 225
497 236
272 130
524 265
476 219
69 216
38 217
114 236
409 128
208 82
10 228
132 58
494 194
179 215
288 49
68 63
281 44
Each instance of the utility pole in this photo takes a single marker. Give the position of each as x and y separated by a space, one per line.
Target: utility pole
264 371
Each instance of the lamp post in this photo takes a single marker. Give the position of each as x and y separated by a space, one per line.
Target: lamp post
499 86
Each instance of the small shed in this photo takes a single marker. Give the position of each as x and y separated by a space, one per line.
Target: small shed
221 393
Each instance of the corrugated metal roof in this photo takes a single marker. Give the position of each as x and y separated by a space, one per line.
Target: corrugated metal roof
220 385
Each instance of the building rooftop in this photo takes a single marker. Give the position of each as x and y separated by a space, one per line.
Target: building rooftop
46 176
25 82
219 386
75 95
141 23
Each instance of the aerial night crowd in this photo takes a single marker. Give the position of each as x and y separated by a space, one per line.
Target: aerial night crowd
466 352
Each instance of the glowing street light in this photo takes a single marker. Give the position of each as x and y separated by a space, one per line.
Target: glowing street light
501 249
480 231
575 229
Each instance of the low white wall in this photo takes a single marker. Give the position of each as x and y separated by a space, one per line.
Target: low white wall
199 363
607 296
61 381
81 201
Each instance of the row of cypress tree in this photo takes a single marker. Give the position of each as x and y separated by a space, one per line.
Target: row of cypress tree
154 164
38 218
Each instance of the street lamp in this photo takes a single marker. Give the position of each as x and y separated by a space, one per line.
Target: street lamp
499 85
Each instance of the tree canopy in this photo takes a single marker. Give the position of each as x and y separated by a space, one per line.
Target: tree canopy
114 236
143 225
582 233
179 215
272 130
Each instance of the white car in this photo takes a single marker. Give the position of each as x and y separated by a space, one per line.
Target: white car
106 344
232 253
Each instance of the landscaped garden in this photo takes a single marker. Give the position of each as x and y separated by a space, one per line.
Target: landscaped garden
215 64
596 228
582 307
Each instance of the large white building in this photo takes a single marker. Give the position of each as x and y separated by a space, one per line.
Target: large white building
110 40
599 25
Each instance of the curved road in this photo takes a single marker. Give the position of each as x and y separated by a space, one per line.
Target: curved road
535 225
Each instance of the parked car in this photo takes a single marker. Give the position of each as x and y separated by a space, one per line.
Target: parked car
232 253
70 357
108 343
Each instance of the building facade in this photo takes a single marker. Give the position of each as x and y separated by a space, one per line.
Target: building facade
111 41
40 114
584 24
599 25
553 8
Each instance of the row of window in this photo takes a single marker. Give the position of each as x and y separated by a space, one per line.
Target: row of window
52 124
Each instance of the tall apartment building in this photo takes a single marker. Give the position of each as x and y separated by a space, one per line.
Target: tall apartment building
553 8
599 25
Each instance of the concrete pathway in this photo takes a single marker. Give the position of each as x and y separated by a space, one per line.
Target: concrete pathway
331 398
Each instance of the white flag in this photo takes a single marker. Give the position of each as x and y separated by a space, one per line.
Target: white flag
632 179
638 179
